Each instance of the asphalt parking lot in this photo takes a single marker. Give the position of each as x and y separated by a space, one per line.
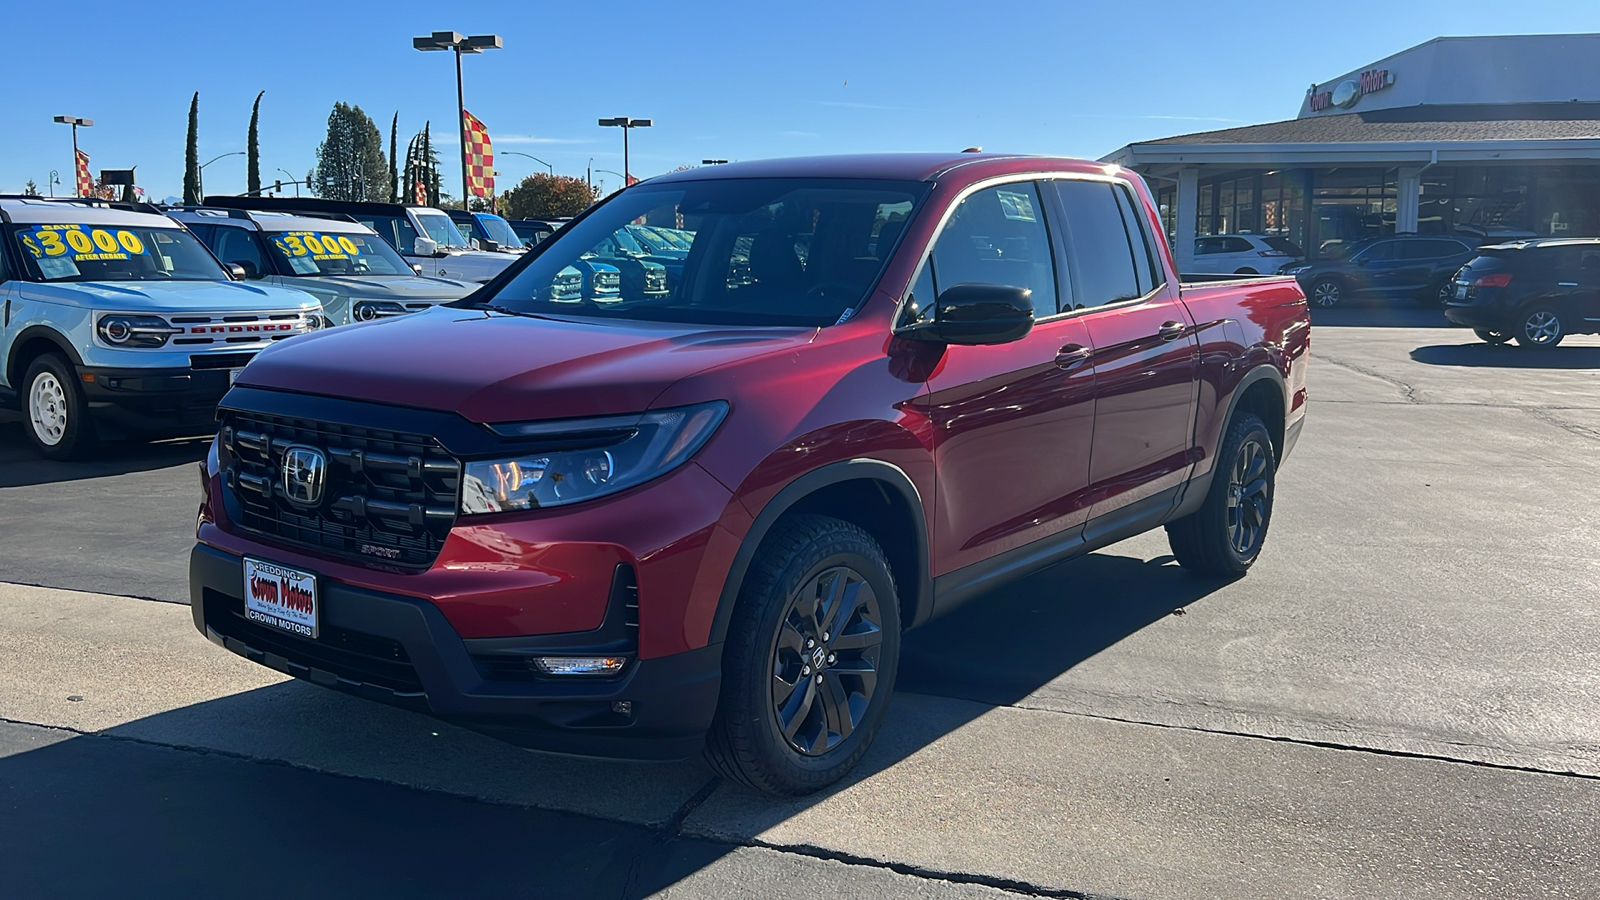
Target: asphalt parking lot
1401 699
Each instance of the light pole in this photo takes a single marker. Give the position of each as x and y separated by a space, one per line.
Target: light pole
74 121
291 181
450 40
530 156
202 178
627 125
54 179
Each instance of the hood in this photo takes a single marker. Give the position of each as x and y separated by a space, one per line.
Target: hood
491 367
386 287
500 258
169 296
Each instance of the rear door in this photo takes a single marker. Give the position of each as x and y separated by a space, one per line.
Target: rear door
1377 268
1013 422
1146 356
1586 292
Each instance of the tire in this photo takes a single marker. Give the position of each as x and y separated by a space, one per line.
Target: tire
1326 293
1225 535
1491 336
1540 327
56 416
781 630
1438 295
1247 271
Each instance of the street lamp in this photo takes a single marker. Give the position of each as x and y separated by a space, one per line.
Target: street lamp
450 40
74 121
626 124
202 178
530 156
53 180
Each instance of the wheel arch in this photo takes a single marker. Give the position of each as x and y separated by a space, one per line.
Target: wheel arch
876 495
31 343
1264 392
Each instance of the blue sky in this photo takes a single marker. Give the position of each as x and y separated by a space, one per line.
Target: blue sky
726 80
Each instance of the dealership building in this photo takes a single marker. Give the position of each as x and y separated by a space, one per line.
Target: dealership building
1491 136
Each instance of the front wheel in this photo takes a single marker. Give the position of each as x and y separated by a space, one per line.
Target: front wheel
1541 327
1327 293
1490 336
58 423
810 661
1225 535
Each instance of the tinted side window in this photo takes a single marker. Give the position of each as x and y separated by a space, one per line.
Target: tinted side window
1430 249
1144 254
1102 255
1239 245
1207 246
235 245
998 236
1379 252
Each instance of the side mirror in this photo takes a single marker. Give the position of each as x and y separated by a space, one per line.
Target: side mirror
237 272
424 246
246 267
486 244
417 268
977 314
472 243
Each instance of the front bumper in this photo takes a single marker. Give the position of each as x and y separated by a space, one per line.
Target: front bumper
402 651
165 402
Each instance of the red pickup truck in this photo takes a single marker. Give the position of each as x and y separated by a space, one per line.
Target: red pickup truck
643 525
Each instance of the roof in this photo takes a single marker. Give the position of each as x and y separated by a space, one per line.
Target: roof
272 221
1508 122
1545 242
312 204
39 211
884 166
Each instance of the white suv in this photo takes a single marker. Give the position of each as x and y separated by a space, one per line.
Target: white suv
1242 254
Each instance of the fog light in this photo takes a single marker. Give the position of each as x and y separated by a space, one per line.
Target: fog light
580 665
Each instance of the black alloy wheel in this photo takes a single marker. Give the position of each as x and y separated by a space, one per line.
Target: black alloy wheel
1492 336
810 658
825 660
1225 535
1439 296
1326 293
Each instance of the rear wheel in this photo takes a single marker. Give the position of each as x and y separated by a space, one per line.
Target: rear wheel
58 422
1225 535
1541 327
810 661
1439 294
1327 293
1491 336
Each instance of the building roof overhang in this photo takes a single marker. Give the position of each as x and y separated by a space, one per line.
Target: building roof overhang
1143 157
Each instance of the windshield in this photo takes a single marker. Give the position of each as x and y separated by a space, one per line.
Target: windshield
794 251
347 253
443 231
500 231
72 252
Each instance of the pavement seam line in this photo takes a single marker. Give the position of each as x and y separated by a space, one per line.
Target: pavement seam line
1408 392
1311 742
57 587
670 831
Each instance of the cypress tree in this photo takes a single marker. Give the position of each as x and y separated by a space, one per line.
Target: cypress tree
253 150
191 155
394 159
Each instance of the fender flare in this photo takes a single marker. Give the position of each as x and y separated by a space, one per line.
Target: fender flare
28 334
1196 489
892 478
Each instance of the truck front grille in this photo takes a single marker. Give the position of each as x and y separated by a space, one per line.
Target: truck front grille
387 498
235 329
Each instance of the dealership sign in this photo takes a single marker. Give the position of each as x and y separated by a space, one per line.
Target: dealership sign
1347 93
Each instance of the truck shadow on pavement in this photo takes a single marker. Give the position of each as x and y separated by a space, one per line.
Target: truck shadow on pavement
20 466
483 818
1506 356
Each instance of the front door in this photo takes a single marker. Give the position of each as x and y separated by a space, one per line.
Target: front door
1013 423
1146 355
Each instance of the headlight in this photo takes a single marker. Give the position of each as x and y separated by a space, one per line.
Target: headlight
135 331
367 310
1296 270
588 458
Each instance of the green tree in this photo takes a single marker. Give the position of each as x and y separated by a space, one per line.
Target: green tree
30 189
394 159
191 155
422 165
253 150
546 197
350 163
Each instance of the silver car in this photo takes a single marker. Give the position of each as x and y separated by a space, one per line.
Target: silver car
354 273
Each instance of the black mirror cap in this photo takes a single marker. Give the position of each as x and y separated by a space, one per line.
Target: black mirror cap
975 314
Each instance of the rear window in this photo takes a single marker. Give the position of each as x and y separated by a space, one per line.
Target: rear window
760 251
1283 245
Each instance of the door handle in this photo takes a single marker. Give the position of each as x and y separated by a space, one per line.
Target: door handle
1071 355
1171 331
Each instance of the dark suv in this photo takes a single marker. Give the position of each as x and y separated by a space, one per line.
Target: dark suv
1535 291
1405 265
699 516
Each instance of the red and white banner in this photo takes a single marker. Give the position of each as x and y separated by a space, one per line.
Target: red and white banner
85 180
480 156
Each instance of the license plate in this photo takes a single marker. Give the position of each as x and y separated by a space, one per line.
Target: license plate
1461 292
280 597
233 375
